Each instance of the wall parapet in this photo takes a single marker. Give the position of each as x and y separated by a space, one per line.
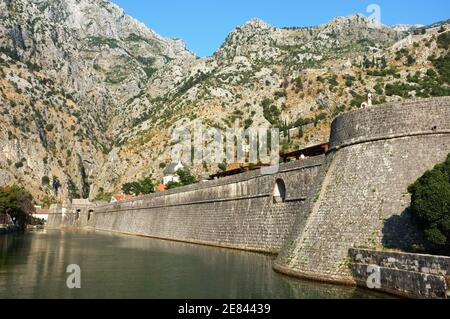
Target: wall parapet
391 120
375 154
243 186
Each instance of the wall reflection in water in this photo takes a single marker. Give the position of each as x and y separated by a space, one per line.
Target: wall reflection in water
33 265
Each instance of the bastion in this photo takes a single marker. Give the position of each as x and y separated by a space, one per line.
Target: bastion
362 201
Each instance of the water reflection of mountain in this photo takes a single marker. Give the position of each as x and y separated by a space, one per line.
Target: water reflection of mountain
116 266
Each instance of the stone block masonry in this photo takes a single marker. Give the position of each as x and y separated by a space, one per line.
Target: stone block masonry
355 196
375 154
75 214
236 212
408 275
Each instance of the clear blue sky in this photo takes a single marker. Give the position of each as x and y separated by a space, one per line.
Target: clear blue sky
204 24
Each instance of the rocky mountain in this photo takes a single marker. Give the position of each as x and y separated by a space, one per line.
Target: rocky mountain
70 70
91 96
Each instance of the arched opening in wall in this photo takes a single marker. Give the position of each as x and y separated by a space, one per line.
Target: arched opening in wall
77 214
90 213
279 191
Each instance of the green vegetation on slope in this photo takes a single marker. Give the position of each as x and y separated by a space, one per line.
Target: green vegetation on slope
17 203
431 205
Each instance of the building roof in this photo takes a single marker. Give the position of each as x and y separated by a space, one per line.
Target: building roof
172 168
160 188
121 197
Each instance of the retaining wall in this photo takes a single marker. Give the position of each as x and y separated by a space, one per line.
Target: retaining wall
375 154
409 275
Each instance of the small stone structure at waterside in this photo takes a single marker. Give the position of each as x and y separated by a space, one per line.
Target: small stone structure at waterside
312 212
409 275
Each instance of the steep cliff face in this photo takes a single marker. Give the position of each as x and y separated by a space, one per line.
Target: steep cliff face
90 95
70 72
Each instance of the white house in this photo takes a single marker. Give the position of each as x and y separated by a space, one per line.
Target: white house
170 173
41 214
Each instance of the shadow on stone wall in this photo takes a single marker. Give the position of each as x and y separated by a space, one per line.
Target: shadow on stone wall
403 232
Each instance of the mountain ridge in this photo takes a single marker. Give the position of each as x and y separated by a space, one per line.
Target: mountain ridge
106 94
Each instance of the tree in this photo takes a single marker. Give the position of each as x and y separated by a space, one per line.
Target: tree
383 62
147 186
132 188
367 64
102 196
185 179
144 186
17 203
49 127
223 166
443 40
45 181
410 60
431 205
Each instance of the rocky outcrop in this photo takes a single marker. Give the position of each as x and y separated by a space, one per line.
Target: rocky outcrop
91 96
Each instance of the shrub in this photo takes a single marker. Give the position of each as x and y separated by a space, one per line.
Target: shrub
18 165
144 186
45 180
102 196
442 64
18 203
333 81
431 73
385 72
172 185
399 88
378 89
443 40
185 179
280 94
223 166
247 123
410 60
272 114
349 80
431 205
101 41
298 84
49 127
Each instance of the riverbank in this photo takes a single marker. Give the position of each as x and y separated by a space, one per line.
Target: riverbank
7 229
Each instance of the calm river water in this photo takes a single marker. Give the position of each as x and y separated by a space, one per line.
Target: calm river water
33 265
